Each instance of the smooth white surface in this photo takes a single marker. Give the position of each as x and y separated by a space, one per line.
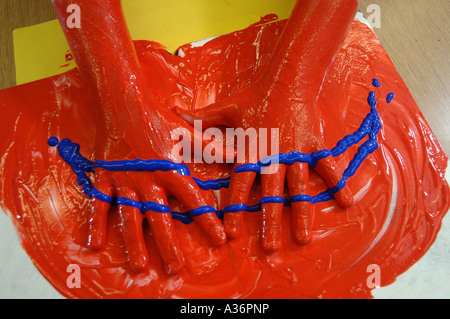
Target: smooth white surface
429 278
19 278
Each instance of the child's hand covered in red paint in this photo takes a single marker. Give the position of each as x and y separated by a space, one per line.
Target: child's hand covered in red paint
285 97
129 128
146 187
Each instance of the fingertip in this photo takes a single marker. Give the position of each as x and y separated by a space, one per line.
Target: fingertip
232 224
213 227
221 239
271 245
301 222
303 237
137 262
180 111
328 170
187 117
174 267
218 235
271 227
232 232
345 198
95 242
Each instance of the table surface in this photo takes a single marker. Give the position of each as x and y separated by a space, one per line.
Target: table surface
415 34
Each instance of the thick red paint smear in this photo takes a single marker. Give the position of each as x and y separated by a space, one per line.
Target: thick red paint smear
400 191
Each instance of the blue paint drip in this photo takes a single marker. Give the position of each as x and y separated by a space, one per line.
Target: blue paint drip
53 141
371 125
70 153
390 97
376 83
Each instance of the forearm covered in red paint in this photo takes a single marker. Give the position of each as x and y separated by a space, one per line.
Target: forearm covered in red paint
106 57
308 44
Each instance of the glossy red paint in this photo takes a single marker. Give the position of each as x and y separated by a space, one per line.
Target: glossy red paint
118 104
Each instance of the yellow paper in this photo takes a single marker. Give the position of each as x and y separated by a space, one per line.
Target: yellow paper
40 50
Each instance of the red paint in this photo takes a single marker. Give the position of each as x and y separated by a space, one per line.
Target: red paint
69 56
278 98
53 217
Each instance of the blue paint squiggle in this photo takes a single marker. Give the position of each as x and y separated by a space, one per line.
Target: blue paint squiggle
370 127
376 83
390 97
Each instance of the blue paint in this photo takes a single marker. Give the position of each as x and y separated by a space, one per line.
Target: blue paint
271 200
53 141
129 202
370 127
182 217
155 207
300 198
213 184
376 83
201 211
100 196
390 97
235 208
143 165
70 153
